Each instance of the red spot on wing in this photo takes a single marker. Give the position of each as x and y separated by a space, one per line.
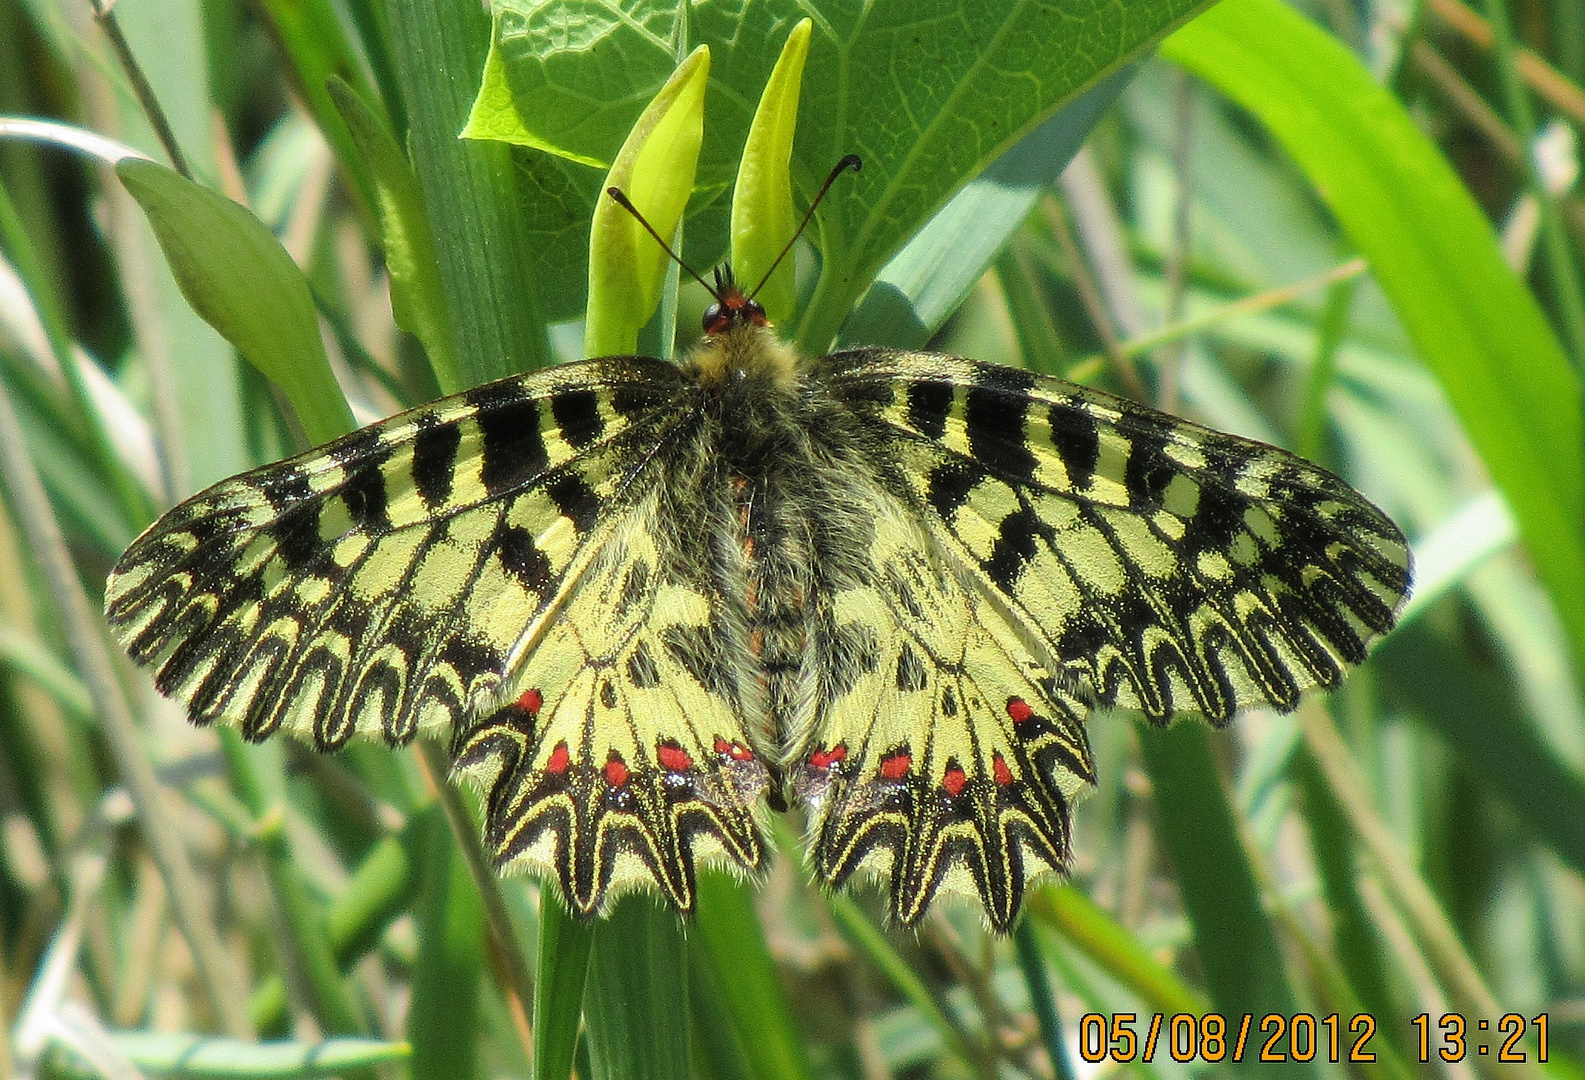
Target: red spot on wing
954 781
824 759
673 758
531 702
734 750
616 771
895 766
1019 710
999 770
559 758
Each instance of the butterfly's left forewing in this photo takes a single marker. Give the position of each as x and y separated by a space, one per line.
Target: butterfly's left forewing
434 568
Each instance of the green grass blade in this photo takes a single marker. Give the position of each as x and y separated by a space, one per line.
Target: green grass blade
1434 255
417 299
1114 949
636 1000
563 967
1234 940
198 1057
472 191
727 945
316 50
443 1022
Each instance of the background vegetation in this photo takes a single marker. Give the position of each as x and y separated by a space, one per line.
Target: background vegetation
1347 227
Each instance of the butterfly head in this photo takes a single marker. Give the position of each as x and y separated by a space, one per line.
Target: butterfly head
733 307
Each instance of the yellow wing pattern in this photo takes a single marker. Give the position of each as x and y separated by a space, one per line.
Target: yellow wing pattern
621 757
404 579
1175 569
941 753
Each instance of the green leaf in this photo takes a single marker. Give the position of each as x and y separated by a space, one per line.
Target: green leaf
237 276
417 300
762 211
928 279
928 101
1433 253
655 170
233 1059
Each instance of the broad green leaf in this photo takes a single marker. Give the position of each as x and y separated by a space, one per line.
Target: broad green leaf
927 98
201 1056
927 280
1434 255
417 300
238 277
762 211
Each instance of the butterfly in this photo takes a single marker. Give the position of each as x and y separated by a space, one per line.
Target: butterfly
645 601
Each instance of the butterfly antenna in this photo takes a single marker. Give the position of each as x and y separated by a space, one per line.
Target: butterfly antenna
626 204
849 162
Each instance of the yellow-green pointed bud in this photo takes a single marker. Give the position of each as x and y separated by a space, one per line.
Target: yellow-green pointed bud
763 218
655 169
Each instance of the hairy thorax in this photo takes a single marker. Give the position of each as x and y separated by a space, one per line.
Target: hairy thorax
792 469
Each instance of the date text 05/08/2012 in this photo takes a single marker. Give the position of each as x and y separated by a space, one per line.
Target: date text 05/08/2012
1300 1037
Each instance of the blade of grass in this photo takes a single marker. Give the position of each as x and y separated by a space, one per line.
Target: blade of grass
635 1001
1114 949
257 778
1434 255
864 936
443 1022
316 50
1233 938
380 890
564 945
728 946
471 191
94 663
200 1058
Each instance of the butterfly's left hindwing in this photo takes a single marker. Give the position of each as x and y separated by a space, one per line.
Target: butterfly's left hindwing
579 776
408 578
